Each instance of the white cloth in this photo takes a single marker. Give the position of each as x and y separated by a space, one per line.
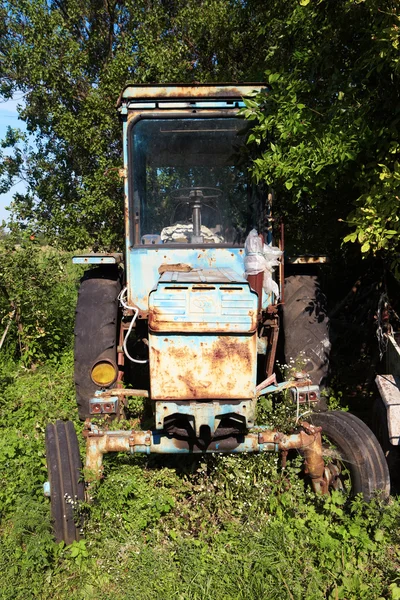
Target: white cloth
261 258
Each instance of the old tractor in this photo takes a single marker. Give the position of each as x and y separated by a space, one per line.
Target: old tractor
188 315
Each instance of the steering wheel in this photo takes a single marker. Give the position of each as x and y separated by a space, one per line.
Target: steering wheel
192 194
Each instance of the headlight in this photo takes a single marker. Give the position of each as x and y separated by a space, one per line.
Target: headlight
104 373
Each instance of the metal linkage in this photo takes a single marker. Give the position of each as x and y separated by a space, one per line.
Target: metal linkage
307 440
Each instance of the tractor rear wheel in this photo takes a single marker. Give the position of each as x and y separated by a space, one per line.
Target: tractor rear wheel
353 456
305 326
66 488
96 329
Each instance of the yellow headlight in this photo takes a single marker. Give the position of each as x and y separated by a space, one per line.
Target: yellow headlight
104 373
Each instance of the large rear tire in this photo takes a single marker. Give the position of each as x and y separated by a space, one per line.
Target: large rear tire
66 488
306 326
353 455
96 329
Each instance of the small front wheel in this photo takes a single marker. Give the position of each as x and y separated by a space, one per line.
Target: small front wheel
66 487
354 459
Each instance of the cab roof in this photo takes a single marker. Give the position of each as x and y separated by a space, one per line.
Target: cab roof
187 91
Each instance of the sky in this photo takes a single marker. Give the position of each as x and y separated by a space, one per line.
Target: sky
9 118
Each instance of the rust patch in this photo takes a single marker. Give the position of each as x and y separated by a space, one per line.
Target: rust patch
187 91
218 367
178 267
161 322
228 349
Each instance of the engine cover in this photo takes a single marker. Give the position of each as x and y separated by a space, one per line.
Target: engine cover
202 336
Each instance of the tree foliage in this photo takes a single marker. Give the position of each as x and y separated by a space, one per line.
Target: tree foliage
326 133
70 60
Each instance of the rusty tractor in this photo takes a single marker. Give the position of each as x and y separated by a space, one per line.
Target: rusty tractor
188 315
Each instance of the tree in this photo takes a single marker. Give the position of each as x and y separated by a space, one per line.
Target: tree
326 133
70 59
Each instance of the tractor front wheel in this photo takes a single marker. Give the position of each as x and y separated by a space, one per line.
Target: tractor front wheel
66 486
354 459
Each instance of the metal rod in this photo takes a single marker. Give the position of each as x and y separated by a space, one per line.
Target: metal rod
121 392
282 263
308 439
3 337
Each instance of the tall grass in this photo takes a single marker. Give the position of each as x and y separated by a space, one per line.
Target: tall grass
230 527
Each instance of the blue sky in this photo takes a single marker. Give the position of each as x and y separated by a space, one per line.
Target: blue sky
9 118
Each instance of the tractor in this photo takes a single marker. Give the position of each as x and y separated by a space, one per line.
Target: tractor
188 316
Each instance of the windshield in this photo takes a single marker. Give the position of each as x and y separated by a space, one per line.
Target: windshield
190 183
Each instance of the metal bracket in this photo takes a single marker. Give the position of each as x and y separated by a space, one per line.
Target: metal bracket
98 259
206 413
389 390
120 392
310 393
139 440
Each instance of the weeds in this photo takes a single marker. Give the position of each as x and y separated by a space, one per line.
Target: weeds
190 528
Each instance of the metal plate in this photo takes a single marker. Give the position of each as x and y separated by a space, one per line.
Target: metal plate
182 91
208 307
97 259
201 366
389 389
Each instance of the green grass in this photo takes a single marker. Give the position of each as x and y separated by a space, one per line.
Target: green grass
229 527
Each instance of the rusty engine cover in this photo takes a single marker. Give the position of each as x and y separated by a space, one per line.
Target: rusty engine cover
202 336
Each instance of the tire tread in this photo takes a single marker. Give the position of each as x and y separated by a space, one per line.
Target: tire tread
64 469
96 325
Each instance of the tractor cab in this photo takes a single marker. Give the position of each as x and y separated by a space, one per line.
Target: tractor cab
189 198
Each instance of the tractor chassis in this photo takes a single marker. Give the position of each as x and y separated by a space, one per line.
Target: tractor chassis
175 440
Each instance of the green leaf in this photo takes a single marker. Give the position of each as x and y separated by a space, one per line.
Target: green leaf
289 185
379 535
351 237
273 77
365 247
394 591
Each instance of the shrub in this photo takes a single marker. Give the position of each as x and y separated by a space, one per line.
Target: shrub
38 288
